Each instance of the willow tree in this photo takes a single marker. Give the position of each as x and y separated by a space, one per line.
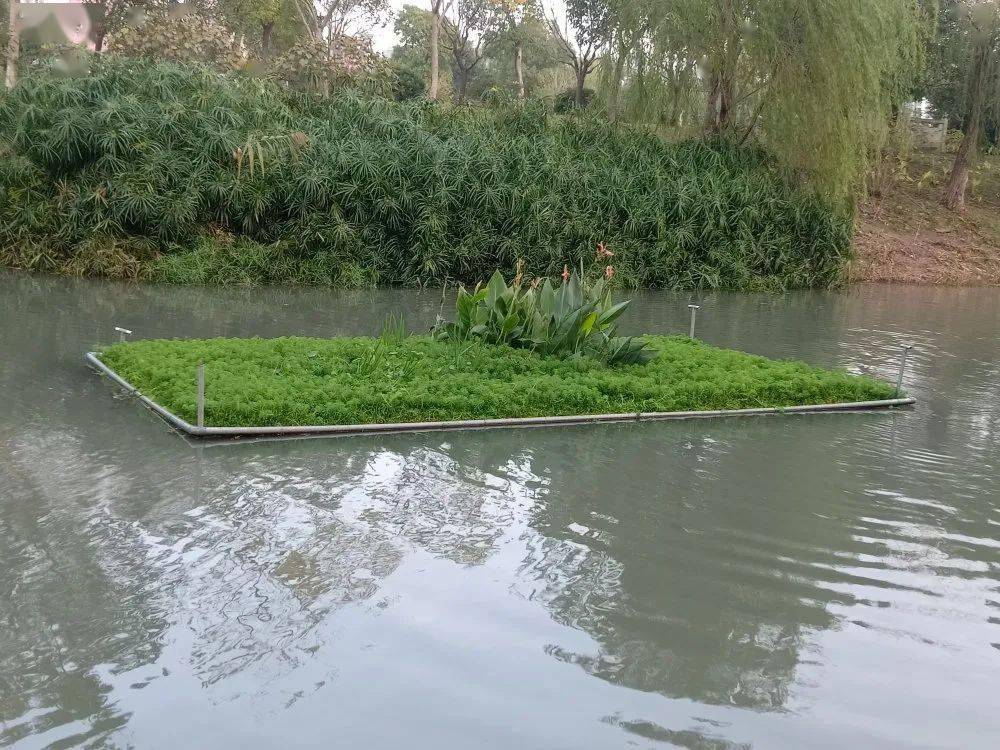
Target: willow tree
812 81
656 80
983 80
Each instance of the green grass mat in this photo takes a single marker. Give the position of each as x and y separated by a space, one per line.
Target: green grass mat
307 381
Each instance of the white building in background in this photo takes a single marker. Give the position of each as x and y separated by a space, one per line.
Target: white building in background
927 131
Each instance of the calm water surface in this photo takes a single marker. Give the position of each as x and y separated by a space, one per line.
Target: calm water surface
824 581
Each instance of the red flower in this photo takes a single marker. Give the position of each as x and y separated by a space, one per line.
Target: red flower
565 274
609 272
602 251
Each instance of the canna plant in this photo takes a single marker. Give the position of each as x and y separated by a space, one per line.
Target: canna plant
576 318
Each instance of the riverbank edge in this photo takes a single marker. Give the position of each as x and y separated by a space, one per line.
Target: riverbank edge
269 266
899 260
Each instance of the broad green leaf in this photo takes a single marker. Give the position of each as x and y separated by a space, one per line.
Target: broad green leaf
613 313
495 287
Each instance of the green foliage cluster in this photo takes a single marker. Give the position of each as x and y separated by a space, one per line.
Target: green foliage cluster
577 318
156 159
224 259
302 381
182 37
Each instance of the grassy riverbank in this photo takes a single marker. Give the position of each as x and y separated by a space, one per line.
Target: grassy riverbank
306 381
176 173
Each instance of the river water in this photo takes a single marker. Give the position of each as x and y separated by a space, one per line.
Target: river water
820 581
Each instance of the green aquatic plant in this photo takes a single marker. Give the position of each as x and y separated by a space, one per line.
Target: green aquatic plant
573 319
300 381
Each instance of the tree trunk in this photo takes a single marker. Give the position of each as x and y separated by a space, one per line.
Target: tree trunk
675 105
307 14
712 104
519 67
954 194
461 78
13 46
266 29
725 61
432 90
729 57
581 79
882 171
719 109
726 86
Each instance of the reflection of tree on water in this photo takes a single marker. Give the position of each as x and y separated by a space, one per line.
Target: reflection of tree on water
250 574
259 566
239 562
270 553
677 588
693 556
699 590
685 738
440 501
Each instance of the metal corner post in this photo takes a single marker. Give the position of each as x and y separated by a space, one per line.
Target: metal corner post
201 395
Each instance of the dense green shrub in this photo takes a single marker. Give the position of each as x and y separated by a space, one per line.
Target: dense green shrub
161 162
325 65
408 83
565 101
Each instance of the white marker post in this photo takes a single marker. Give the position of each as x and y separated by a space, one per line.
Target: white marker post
694 313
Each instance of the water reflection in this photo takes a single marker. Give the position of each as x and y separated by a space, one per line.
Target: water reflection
721 584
